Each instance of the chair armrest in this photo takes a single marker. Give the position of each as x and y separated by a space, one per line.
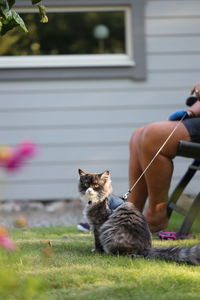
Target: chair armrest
189 149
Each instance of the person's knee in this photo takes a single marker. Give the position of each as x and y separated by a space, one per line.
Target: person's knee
155 135
150 137
135 137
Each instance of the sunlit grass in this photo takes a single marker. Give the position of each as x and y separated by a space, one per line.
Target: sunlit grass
66 268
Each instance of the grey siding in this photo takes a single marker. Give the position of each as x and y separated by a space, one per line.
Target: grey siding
87 123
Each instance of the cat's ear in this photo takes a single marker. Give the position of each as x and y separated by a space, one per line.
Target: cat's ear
105 174
81 172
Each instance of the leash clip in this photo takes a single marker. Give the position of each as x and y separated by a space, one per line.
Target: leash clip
125 197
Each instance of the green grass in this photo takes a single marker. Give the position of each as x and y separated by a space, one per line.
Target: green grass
69 270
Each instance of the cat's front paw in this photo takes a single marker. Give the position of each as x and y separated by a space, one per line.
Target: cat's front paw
98 250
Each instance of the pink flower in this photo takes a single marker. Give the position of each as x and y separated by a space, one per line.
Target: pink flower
15 158
5 241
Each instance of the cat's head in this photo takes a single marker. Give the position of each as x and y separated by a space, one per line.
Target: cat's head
94 187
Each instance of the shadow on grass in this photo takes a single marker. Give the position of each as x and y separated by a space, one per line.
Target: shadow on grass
142 283
75 245
69 270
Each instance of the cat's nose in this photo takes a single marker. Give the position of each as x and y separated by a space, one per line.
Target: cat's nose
89 191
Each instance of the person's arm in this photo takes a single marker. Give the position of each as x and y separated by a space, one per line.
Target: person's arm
196 90
193 111
195 108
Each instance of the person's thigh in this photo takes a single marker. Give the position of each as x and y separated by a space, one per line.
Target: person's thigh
155 135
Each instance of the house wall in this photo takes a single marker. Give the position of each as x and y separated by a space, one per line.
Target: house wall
87 123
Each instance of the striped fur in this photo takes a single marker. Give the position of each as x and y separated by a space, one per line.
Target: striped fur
125 230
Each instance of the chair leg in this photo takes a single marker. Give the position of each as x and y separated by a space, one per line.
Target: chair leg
189 219
181 185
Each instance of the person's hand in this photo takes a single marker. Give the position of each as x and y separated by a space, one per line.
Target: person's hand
196 90
178 115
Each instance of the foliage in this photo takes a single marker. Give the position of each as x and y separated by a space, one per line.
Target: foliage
9 18
67 269
73 33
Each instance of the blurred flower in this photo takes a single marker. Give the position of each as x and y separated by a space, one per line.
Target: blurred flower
5 241
5 153
47 252
50 243
12 159
21 221
45 242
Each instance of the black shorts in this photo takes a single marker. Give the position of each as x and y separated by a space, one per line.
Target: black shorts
193 127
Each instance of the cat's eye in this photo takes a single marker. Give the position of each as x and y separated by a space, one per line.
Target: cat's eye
96 186
86 184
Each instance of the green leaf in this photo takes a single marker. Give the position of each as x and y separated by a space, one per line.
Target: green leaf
4 8
43 16
13 20
6 27
19 21
35 1
7 18
11 3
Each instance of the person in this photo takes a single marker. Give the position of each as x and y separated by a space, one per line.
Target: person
144 144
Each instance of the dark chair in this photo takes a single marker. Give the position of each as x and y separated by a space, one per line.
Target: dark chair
191 150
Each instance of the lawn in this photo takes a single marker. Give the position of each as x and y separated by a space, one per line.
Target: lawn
57 263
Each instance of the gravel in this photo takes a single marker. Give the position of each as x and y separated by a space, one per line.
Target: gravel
50 213
38 213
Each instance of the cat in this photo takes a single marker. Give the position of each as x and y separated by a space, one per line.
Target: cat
124 230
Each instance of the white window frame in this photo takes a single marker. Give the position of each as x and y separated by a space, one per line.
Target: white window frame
86 60
131 64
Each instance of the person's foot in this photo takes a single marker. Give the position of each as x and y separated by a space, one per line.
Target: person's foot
85 227
156 228
157 217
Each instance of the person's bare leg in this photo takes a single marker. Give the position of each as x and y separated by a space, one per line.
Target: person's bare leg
158 176
139 194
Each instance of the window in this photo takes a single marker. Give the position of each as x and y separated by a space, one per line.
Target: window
82 39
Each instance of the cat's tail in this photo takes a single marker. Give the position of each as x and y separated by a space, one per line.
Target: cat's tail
189 255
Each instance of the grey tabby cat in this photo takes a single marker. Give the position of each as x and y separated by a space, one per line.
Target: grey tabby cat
124 230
